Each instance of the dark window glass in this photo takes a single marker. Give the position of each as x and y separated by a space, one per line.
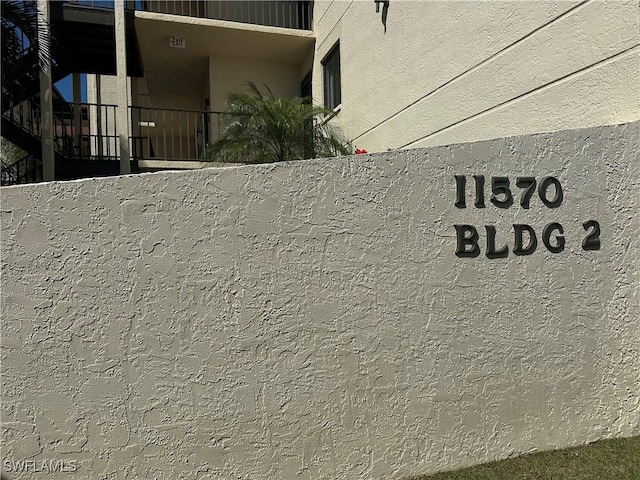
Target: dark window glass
331 73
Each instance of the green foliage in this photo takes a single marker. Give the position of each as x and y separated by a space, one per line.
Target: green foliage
9 153
20 19
262 129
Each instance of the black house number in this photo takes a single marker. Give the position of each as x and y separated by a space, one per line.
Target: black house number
549 192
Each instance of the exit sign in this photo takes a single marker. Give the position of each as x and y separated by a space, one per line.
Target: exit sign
176 42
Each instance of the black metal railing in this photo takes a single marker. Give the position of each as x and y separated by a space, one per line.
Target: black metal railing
86 131
169 134
99 4
28 169
296 14
25 115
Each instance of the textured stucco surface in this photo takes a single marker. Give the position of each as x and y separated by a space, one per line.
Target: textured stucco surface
310 320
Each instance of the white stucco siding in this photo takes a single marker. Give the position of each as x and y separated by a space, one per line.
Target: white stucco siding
600 95
230 75
443 63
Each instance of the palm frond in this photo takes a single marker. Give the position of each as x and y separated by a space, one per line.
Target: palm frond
262 128
21 33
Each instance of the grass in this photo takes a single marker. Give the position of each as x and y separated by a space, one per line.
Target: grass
616 459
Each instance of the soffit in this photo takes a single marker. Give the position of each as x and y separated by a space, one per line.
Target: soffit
204 38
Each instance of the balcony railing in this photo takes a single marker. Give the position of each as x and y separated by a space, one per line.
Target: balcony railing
26 115
296 14
88 133
99 4
28 169
176 135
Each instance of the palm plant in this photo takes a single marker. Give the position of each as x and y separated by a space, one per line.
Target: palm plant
20 34
262 128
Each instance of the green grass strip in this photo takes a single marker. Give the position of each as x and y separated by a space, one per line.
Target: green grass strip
616 459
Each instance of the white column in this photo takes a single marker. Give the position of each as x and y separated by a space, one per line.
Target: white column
122 114
46 100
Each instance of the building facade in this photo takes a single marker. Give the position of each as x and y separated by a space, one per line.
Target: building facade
443 72
398 73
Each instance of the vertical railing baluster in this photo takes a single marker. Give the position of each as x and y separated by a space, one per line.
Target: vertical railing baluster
104 137
289 23
109 116
283 20
195 134
173 150
164 133
156 130
149 133
188 136
180 134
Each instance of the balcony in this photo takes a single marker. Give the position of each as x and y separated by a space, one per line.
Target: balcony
86 140
171 138
295 14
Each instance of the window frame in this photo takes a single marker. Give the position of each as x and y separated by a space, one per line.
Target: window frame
332 78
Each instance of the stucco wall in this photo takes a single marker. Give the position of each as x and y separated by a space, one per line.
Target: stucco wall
312 320
453 71
229 75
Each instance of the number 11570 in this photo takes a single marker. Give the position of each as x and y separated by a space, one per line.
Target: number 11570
501 195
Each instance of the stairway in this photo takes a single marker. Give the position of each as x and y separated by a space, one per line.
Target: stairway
26 170
83 42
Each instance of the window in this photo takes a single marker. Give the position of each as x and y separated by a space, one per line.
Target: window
331 76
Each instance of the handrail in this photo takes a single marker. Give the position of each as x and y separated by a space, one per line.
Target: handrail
86 133
172 134
88 130
97 4
186 110
27 169
294 14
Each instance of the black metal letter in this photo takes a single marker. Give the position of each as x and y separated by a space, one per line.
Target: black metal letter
518 249
479 190
461 181
500 186
546 234
591 241
542 192
529 186
491 244
467 241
